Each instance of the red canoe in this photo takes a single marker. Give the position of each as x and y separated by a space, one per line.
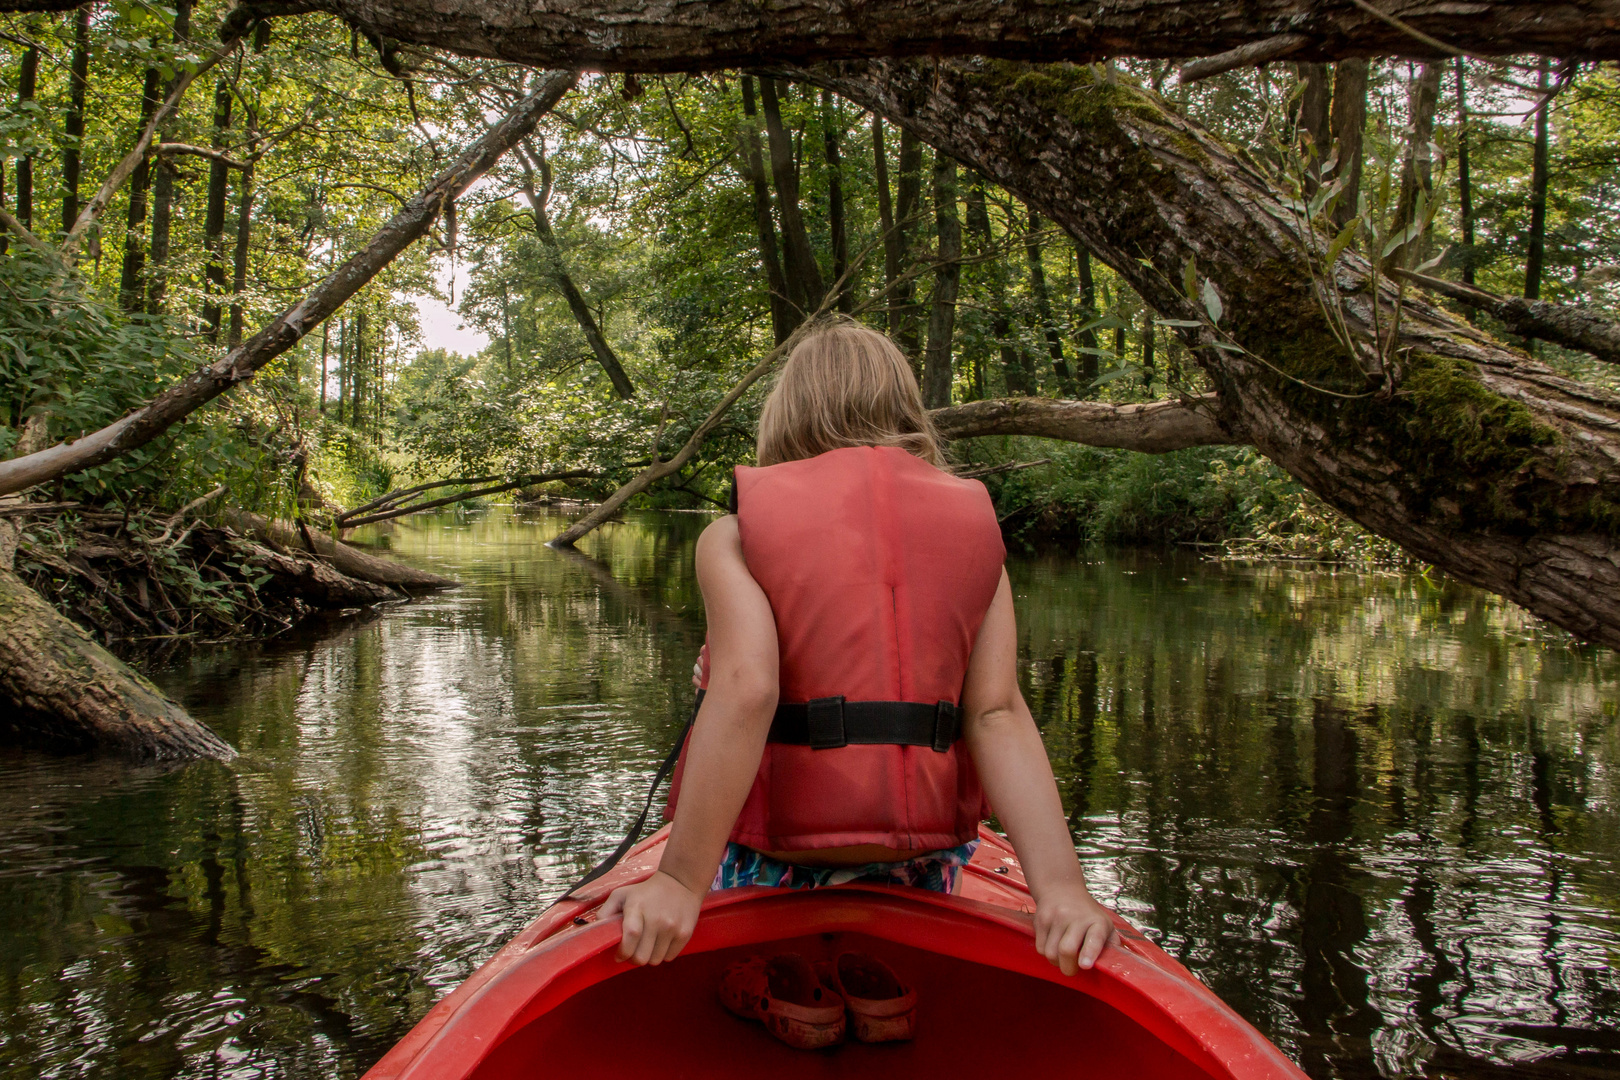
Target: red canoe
555 1003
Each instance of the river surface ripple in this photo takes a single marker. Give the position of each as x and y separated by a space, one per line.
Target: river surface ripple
1378 814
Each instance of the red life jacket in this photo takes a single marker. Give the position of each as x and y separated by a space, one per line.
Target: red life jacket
879 569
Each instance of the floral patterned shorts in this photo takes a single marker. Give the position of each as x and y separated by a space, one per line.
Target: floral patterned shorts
936 871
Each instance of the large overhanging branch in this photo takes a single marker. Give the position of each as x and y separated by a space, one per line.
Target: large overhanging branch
1465 452
241 363
1569 325
669 36
1156 427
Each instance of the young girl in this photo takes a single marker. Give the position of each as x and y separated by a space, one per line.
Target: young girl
860 692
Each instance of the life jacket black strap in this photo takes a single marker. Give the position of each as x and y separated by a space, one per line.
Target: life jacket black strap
831 722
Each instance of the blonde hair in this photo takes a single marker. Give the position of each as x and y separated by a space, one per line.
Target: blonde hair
844 385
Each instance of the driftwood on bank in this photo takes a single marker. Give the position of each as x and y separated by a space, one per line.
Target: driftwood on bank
66 693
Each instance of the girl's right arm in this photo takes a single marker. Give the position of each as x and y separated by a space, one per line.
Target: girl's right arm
1071 928
722 756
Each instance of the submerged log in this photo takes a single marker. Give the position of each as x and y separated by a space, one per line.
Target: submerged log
70 694
343 558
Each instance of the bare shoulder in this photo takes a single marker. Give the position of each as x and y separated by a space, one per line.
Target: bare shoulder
720 540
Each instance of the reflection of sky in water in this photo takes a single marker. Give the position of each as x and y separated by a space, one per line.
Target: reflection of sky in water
1376 814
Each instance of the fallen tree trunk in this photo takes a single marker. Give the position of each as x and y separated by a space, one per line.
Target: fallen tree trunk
308 578
632 35
241 363
1467 454
343 558
1154 428
68 693
1569 325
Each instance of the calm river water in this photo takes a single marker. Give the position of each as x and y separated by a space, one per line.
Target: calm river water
1379 815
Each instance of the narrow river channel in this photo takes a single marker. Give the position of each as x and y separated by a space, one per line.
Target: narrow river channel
1378 814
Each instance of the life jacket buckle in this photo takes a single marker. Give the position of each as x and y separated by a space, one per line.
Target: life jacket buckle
825 720
947 724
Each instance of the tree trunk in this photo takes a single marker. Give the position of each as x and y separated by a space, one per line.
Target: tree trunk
1014 369
1348 122
1149 332
241 363
345 559
893 242
73 121
163 183
832 127
1043 304
244 236
804 281
1490 466
1570 325
936 383
1089 368
27 82
908 199
782 320
132 275
1314 123
1465 188
357 392
214 219
1535 261
66 693
1417 169
558 272
628 35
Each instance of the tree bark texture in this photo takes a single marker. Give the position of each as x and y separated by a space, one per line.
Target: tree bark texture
73 120
936 381
1492 467
1313 122
244 235
163 185
242 362
65 692
1089 367
1156 427
893 251
770 257
665 36
345 559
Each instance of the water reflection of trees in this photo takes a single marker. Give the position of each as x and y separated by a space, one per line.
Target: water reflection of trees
1376 813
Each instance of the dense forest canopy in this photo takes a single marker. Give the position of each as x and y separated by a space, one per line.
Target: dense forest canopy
1246 266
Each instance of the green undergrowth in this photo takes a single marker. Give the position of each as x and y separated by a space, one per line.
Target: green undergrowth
1226 500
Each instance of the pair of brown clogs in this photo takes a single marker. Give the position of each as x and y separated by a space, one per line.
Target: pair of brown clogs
805 1006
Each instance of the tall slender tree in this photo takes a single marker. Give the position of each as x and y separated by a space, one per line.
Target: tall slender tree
214 217
1347 123
27 84
1046 323
782 320
1465 188
1536 258
163 187
1089 367
907 209
1014 368
805 284
132 275
1417 166
936 383
73 120
893 240
832 129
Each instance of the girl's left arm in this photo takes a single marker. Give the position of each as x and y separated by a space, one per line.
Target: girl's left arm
722 757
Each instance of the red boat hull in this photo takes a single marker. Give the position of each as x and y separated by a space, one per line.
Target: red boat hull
554 1002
